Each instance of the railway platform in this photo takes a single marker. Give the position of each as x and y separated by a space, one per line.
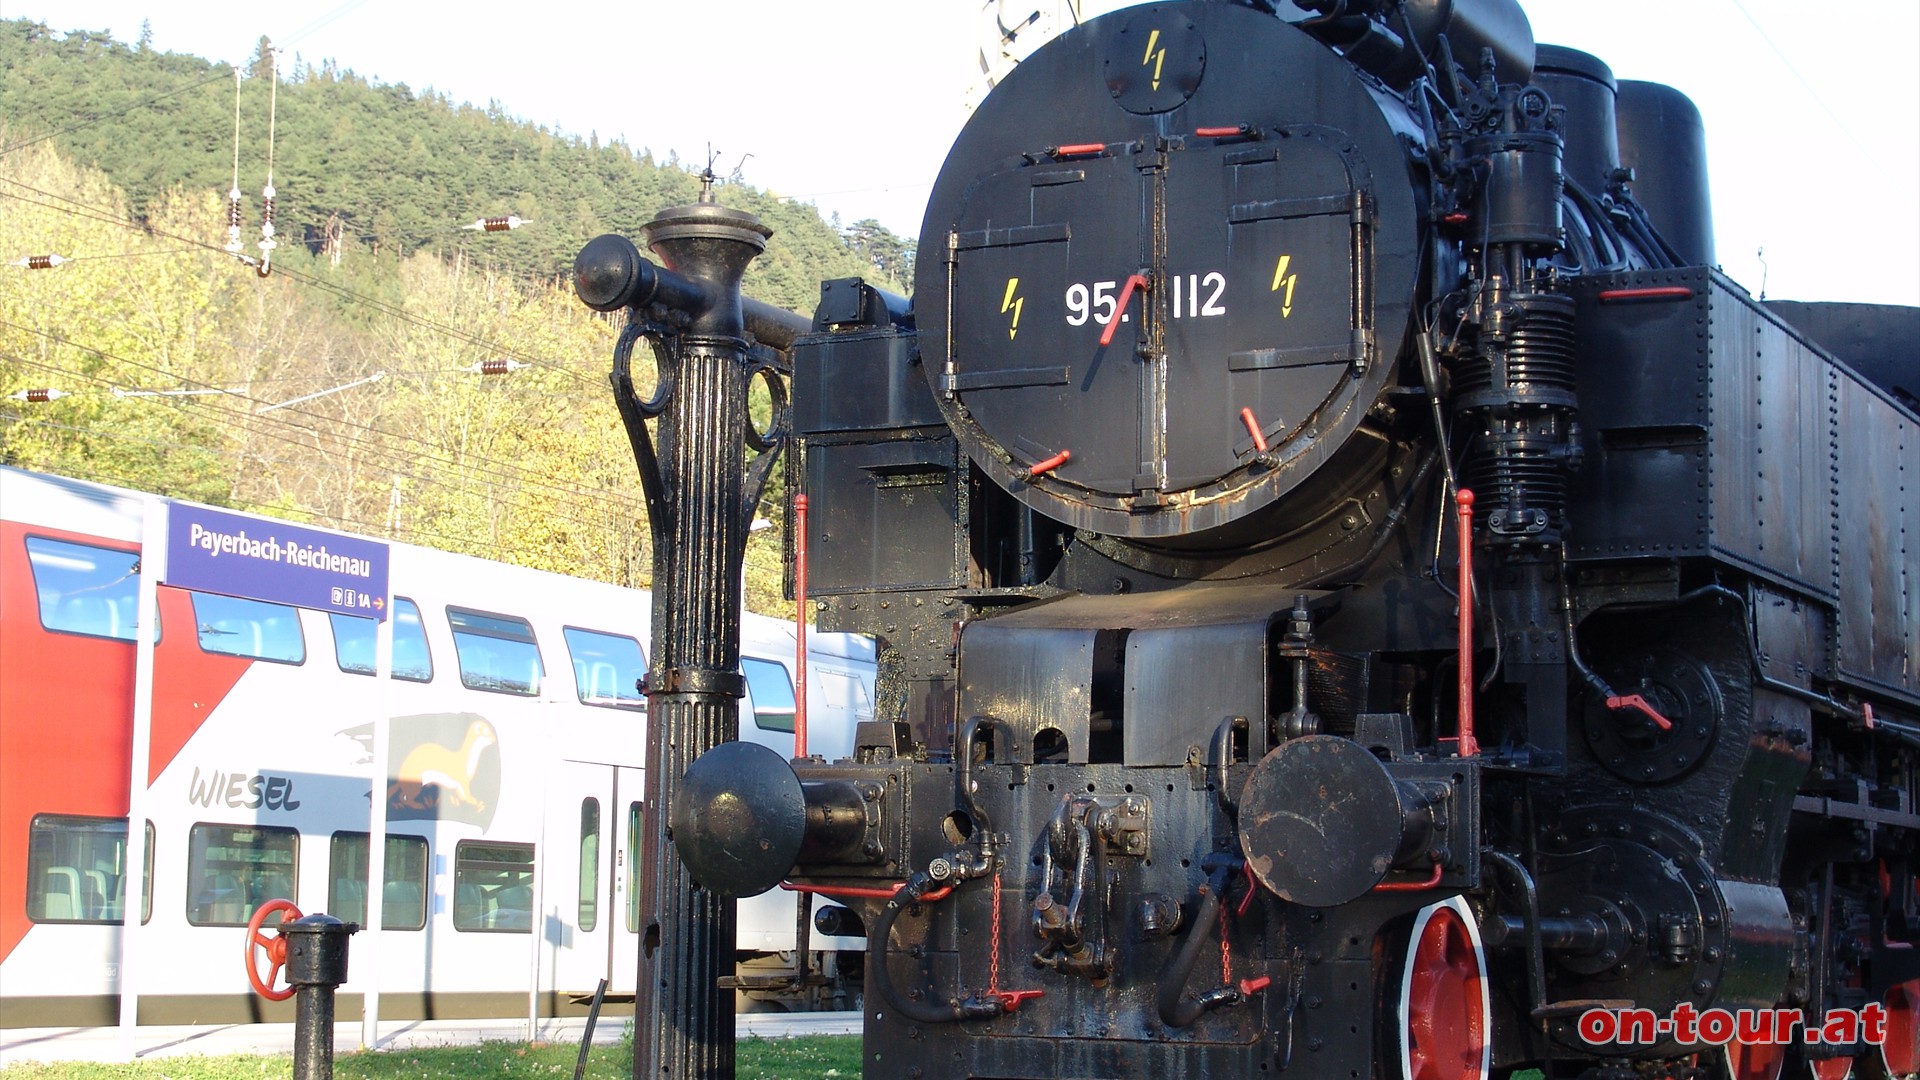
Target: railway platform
105 1044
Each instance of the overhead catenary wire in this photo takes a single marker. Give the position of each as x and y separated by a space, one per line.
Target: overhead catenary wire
98 214
52 261
415 532
402 466
425 468
398 454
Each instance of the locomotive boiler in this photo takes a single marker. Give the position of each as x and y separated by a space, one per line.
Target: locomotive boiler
1359 594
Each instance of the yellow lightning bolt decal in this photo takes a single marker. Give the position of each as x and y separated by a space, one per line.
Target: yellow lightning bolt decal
1014 304
1158 60
1281 277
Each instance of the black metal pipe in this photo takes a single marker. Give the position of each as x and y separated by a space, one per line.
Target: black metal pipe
316 966
925 1013
1222 759
1177 1010
1580 934
586 1038
836 825
610 274
963 770
772 325
1530 897
313 1033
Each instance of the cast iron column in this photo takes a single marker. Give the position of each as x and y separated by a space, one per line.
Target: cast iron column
316 966
691 309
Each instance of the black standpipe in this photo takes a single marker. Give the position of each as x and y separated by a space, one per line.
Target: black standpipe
700 497
316 966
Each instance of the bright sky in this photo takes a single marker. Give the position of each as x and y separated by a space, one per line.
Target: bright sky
1812 118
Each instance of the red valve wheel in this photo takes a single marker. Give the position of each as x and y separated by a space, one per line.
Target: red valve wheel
275 946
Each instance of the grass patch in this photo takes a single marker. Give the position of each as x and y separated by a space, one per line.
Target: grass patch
814 1057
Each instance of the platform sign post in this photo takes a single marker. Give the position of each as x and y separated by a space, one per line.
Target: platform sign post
214 551
153 567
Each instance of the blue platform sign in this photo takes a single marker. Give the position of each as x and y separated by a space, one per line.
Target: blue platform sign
273 561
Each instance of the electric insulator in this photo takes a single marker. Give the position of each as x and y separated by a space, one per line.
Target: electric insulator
38 397
233 220
496 224
267 242
496 367
41 262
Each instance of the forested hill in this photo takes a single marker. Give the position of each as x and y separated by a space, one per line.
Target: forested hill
381 167
394 375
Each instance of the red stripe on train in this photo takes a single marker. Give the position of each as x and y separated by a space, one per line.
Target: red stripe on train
66 716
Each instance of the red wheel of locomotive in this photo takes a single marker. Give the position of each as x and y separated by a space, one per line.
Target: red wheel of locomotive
1758 1061
275 947
1444 1004
1838 1068
1900 1054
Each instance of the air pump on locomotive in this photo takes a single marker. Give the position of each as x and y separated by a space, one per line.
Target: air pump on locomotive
1358 591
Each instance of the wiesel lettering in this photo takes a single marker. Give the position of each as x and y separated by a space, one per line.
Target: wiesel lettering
242 791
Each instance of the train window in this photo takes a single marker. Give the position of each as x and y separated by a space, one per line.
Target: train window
251 628
84 589
353 643
353 646
607 668
771 689
76 870
493 887
412 660
497 653
843 691
233 869
404 899
589 864
633 868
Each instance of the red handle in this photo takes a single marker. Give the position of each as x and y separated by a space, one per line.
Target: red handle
1134 281
1469 746
1635 701
1660 292
800 625
1411 886
1050 464
1253 429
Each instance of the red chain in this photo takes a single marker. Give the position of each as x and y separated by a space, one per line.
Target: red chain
1226 950
993 968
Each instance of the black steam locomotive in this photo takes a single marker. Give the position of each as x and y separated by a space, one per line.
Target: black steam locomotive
1361 596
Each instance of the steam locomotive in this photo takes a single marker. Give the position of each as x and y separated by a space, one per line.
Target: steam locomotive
1360 595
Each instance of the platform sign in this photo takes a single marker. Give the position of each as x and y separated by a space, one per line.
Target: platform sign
217 552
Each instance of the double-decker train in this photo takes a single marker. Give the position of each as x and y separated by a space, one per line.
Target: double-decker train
513 787
1361 596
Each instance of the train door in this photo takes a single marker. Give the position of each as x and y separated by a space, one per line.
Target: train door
628 826
587 935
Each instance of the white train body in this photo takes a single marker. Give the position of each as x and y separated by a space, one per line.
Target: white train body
514 777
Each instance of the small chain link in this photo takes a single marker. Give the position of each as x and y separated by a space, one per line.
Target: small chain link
1226 950
993 966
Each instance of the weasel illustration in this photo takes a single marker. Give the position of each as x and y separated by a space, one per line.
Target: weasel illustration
447 771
